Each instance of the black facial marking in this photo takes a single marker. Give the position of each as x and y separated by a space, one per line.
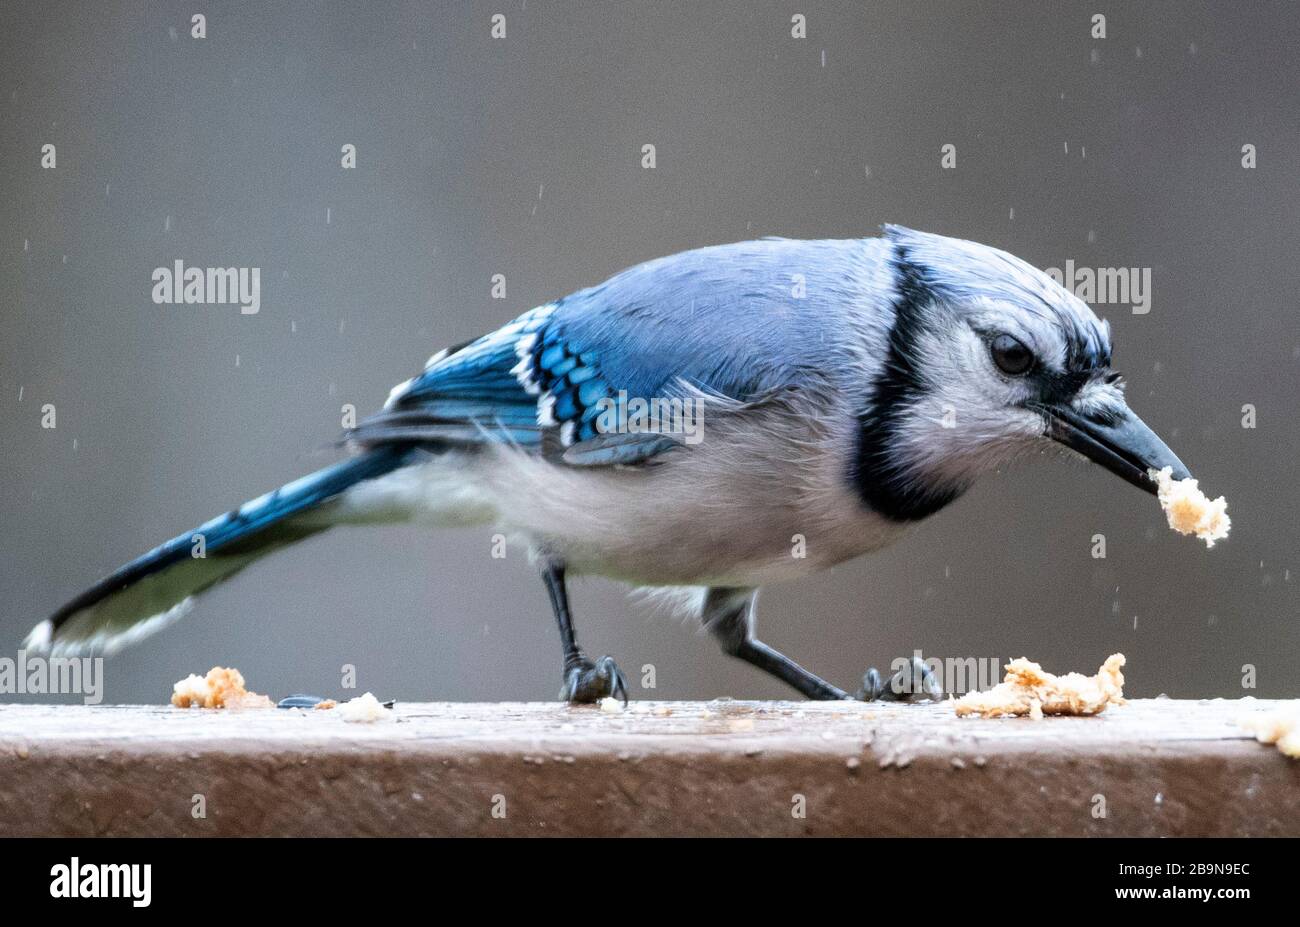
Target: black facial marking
1086 350
1060 387
1084 361
892 493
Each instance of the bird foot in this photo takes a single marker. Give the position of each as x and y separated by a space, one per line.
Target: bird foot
913 683
586 681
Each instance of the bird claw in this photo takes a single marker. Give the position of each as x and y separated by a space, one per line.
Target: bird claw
586 681
913 683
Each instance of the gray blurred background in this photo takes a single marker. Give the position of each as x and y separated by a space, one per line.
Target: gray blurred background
522 156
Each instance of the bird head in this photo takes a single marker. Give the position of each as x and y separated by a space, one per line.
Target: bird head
989 358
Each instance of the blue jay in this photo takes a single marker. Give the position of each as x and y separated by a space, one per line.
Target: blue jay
847 390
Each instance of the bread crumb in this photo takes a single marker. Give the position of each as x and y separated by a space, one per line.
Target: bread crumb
611 706
364 709
223 687
1028 690
325 704
1280 727
1189 510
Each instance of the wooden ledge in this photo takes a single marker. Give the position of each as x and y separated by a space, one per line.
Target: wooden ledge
1152 768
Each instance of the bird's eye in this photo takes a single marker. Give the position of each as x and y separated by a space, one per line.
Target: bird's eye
1011 355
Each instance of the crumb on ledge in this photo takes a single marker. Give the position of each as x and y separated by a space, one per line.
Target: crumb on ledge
364 709
223 687
1281 728
1028 690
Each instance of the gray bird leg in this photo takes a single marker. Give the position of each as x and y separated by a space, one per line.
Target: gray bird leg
585 680
729 615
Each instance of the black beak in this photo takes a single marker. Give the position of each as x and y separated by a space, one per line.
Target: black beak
1121 442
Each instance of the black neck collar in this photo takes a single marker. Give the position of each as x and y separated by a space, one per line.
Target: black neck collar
882 484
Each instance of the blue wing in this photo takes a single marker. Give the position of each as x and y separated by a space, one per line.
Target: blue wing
466 395
727 321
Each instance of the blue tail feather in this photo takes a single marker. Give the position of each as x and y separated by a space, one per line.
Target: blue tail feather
151 589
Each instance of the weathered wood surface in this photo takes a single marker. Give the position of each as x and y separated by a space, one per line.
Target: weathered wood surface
1161 767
